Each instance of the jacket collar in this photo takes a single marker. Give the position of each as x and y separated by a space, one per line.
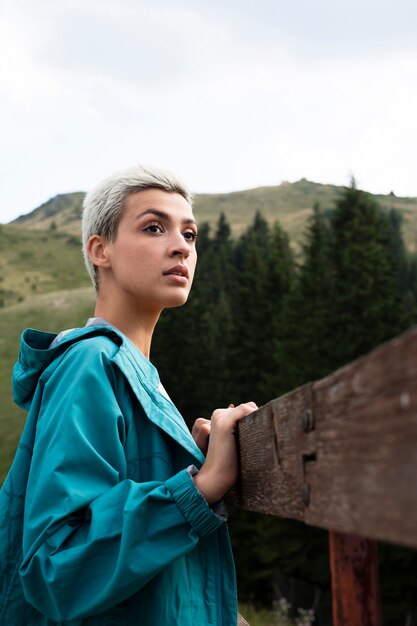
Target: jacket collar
143 377
144 380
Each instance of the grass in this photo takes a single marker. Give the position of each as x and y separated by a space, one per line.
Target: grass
276 617
259 617
35 262
62 212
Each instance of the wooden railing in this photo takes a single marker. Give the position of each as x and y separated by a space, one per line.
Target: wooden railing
341 454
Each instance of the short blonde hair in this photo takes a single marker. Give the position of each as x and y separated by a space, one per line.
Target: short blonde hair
103 205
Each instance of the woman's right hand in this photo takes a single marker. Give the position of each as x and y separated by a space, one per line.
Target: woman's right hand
220 469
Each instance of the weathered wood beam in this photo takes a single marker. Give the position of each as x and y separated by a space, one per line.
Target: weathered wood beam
340 453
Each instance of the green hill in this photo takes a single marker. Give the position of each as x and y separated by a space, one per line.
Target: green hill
63 212
290 203
38 261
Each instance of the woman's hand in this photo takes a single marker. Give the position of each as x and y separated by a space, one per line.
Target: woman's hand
219 472
201 432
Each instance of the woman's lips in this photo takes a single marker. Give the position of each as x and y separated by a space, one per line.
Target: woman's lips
178 274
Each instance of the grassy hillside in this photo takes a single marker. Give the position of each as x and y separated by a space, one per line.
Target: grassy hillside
290 203
62 212
34 262
52 312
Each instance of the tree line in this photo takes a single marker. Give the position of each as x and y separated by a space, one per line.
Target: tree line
261 320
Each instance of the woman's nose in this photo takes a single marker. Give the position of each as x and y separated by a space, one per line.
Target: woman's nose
180 247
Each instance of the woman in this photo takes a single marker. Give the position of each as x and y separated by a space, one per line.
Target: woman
112 512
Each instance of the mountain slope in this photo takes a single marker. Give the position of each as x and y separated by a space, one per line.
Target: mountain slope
63 212
290 203
38 261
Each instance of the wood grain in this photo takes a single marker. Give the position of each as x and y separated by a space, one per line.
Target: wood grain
351 464
270 450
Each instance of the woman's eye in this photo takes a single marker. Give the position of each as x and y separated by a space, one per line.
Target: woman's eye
153 228
190 235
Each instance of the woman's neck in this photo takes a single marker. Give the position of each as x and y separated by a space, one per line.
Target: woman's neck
138 326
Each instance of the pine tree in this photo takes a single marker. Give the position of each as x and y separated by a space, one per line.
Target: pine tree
278 287
265 272
215 276
250 312
404 266
364 306
304 347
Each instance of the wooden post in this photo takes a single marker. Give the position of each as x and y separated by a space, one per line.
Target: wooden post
355 584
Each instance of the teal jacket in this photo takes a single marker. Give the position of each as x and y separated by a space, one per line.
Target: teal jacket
100 521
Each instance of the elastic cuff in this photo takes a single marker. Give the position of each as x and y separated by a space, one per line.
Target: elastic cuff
219 507
191 504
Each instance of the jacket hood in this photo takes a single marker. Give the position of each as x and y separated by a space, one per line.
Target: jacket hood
35 356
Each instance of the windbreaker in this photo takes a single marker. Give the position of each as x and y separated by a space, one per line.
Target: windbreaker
100 521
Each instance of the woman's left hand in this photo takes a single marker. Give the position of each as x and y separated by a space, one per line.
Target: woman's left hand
201 433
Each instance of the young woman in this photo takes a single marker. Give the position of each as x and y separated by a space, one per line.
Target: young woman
111 513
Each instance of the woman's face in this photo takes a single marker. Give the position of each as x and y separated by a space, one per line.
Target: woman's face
153 258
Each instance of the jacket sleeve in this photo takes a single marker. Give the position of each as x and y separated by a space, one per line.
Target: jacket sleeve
92 539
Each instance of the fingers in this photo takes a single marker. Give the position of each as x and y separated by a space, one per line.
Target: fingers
245 408
201 427
201 422
201 433
220 469
249 406
235 411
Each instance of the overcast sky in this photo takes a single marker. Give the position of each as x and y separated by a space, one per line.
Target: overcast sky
229 94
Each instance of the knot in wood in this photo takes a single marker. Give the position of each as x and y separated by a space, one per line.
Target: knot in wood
307 420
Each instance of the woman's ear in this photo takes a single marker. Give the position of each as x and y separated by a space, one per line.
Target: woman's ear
97 249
